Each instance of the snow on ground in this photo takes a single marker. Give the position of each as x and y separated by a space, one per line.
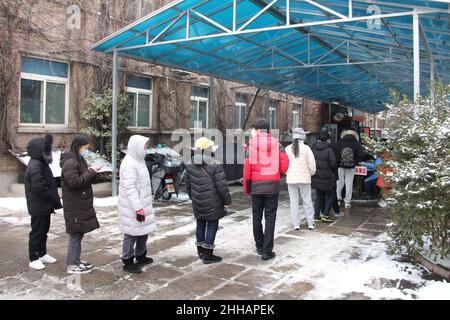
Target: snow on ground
333 265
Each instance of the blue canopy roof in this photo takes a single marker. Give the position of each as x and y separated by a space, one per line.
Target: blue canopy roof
347 51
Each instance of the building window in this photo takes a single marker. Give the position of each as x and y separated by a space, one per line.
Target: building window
146 7
273 114
240 110
139 91
199 108
295 119
44 92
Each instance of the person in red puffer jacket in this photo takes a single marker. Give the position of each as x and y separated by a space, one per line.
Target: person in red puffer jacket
264 165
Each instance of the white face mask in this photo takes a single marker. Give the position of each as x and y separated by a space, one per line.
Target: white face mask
254 132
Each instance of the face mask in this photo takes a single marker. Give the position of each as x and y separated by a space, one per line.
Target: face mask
84 153
254 132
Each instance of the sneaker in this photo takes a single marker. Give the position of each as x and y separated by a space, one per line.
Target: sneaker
348 205
86 264
36 265
327 219
338 215
312 227
80 269
268 256
47 259
297 228
317 219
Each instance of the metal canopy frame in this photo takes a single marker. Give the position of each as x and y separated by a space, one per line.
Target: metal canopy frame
349 51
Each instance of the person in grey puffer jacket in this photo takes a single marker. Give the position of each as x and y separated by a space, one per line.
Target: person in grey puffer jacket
207 186
135 206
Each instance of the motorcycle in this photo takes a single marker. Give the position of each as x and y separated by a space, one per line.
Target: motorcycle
164 169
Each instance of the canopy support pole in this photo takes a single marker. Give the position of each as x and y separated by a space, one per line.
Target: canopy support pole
115 78
416 46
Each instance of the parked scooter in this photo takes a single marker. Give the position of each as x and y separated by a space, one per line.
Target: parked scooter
164 170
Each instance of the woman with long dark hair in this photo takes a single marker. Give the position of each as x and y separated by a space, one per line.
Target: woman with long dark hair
302 166
78 200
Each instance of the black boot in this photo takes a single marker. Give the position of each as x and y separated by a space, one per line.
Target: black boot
200 252
209 258
143 260
129 266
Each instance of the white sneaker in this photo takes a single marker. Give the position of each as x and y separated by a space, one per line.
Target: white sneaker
87 265
339 215
348 205
36 265
81 269
297 228
48 259
312 227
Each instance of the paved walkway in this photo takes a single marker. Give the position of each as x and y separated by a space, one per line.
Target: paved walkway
345 259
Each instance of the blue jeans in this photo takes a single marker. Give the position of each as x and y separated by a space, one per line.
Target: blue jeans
206 233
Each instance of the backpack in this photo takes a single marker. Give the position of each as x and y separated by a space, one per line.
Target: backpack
347 157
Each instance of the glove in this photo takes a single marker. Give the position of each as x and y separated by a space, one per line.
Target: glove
140 215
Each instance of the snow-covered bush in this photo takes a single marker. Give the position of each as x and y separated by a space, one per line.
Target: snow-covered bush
420 177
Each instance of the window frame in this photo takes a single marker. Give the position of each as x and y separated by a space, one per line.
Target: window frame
240 105
198 99
295 113
137 92
44 79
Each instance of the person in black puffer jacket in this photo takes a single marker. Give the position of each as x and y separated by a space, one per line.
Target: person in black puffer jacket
324 180
206 185
79 213
42 198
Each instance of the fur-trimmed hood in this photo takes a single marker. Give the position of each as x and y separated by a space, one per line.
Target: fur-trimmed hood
350 132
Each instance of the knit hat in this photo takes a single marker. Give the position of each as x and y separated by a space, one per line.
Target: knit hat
299 133
203 143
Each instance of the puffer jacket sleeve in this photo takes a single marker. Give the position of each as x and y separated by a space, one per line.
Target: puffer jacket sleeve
74 178
247 174
129 178
284 161
220 181
311 161
188 184
332 159
40 185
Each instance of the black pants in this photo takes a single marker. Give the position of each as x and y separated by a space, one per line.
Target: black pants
37 246
267 205
324 202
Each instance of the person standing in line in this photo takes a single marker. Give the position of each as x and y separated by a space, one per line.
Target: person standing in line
135 206
78 198
302 166
265 163
350 153
42 199
206 185
324 179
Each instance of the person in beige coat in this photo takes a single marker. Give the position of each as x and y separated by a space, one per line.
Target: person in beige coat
302 166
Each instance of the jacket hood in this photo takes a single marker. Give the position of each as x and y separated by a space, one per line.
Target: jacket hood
41 148
349 135
64 157
136 147
320 145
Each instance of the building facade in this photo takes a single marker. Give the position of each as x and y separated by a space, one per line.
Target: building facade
47 72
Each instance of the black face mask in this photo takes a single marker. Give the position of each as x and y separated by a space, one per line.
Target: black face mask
48 158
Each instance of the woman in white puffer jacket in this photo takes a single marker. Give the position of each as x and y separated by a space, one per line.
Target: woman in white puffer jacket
136 214
302 166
